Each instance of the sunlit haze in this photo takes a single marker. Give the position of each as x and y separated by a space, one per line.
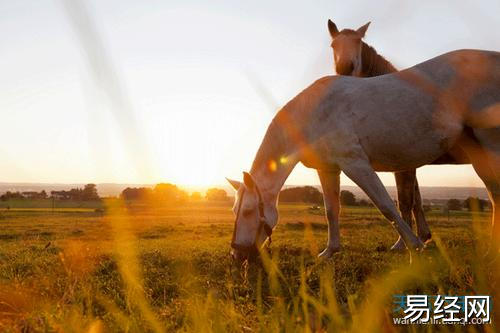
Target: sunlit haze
203 79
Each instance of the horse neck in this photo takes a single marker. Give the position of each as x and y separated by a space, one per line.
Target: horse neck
373 63
285 143
273 163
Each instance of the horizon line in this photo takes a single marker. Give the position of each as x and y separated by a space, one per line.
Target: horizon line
203 186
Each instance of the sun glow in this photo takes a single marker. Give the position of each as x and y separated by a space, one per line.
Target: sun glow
197 116
194 146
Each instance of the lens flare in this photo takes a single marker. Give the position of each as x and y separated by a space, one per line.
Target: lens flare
273 166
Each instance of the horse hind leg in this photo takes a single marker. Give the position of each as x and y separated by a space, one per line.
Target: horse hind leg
405 183
410 200
493 187
485 157
423 230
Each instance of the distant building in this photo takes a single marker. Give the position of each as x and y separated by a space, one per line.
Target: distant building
60 195
30 194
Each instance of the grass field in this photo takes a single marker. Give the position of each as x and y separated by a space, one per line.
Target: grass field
168 269
49 204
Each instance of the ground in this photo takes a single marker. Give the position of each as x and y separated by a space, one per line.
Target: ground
137 268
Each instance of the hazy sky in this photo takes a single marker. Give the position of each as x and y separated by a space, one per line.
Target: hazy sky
190 70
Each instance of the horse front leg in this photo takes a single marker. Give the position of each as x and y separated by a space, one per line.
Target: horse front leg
358 169
330 183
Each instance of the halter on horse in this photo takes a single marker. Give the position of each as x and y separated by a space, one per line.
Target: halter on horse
261 222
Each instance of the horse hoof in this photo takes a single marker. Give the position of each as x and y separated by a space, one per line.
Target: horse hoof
399 246
425 237
328 252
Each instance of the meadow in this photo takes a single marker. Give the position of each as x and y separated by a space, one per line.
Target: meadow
155 269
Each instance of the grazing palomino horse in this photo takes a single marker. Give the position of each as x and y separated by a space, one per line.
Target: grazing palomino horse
393 122
352 56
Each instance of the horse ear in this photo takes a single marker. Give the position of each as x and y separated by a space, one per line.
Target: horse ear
234 183
332 28
248 180
362 30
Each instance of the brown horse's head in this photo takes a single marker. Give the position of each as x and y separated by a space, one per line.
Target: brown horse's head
347 45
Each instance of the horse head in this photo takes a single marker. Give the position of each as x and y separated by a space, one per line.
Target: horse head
254 218
347 46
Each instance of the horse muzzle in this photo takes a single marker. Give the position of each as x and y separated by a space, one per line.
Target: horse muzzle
345 68
242 252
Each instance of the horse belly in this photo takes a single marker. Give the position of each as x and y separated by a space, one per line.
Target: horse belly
407 140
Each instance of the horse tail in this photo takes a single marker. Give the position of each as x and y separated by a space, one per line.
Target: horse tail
488 117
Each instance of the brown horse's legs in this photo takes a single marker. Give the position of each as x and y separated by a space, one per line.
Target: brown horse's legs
493 186
423 231
485 168
405 182
330 182
485 159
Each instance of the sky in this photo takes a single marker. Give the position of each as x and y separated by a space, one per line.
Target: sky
197 82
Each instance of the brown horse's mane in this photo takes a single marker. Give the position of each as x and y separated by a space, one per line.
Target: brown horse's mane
373 63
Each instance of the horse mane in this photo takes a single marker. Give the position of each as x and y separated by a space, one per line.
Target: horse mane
373 63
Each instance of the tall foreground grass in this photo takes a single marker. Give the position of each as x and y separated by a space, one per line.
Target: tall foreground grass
169 269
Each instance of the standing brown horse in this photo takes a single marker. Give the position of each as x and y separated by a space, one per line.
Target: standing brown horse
354 57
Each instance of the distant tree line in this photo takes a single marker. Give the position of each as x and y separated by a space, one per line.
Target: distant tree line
216 194
306 194
471 204
23 195
88 193
310 194
166 192
347 198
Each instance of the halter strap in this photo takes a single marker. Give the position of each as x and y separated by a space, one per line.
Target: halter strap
261 221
